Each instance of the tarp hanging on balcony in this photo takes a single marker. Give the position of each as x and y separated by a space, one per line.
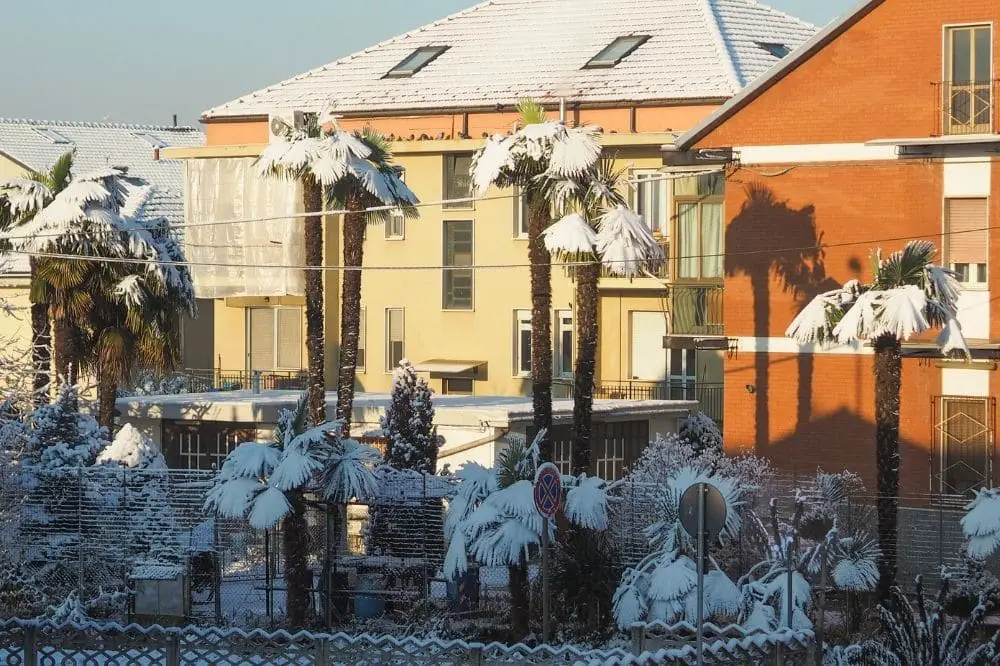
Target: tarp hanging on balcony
229 188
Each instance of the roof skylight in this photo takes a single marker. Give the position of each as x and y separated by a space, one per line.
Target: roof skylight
616 51
51 135
153 140
416 61
775 49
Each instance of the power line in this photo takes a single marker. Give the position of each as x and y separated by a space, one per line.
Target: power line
215 264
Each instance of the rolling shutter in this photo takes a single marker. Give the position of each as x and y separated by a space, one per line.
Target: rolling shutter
261 338
967 239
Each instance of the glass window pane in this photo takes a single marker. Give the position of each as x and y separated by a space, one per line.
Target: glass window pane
566 356
457 181
983 54
686 187
690 366
711 184
457 289
687 226
711 242
676 361
961 55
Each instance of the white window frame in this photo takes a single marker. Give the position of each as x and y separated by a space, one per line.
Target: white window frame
389 366
660 180
446 269
947 60
560 327
522 323
276 340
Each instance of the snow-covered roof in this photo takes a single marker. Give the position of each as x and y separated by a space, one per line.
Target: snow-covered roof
500 51
457 410
37 144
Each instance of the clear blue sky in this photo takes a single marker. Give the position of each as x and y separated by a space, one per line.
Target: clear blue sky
144 60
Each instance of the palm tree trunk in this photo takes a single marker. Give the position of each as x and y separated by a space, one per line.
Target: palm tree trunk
312 195
350 309
587 278
64 345
519 600
298 578
888 381
107 393
41 346
541 319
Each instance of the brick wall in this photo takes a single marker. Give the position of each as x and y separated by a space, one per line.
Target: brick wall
874 81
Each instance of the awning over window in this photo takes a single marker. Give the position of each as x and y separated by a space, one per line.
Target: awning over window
445 367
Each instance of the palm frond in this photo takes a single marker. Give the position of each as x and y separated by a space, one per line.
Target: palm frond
904 267
60 173
531 112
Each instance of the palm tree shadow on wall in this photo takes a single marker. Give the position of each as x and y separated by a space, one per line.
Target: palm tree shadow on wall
769 241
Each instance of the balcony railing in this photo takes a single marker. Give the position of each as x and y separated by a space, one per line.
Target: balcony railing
708 395
968 107
696 310
194 380
663 273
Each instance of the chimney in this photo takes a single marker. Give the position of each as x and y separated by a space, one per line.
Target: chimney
156 154
175 120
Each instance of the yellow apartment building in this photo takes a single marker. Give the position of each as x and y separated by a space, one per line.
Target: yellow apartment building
450 290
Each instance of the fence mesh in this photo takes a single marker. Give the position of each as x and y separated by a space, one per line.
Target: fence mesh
101 532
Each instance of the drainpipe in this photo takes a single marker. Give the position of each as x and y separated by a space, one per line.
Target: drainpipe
562 109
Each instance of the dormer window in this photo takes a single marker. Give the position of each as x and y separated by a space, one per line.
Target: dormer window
777 50
416 61
153 140
616 51
52 135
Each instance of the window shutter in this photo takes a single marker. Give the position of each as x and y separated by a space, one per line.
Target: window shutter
261 339
395 325
964 245
290 338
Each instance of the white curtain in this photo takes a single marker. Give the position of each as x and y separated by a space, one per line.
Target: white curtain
229 188
688 252
711 243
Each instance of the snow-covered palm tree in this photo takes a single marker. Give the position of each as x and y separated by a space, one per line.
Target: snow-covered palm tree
114 315
542 150
351 171
20 199
908 295
601 233
266 484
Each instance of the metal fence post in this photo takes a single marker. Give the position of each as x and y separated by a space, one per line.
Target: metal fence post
79 533
173 650
321 656
30 646
476 656
638 636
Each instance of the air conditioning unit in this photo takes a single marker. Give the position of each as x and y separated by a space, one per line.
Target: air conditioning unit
278 123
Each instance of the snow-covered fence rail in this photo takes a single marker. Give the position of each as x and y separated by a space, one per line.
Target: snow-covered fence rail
33 643
731 644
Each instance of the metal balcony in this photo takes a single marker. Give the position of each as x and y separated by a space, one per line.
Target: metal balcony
696 310
967 107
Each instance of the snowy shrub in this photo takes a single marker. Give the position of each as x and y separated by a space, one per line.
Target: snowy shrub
130 448
969 583
150 383
408 423
74 610
920 634
62 438
586 568
662 586
701 433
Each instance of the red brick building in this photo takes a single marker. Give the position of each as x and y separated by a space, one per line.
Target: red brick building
883 128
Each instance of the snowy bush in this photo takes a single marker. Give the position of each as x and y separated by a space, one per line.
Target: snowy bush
62 438
921 633
701 433
663 586
408 423
130 448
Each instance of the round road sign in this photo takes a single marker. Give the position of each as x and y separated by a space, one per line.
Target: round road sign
715 510
548 490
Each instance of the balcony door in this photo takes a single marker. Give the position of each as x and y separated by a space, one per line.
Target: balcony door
969 86
649 358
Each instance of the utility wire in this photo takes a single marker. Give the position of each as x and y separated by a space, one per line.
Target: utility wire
438 267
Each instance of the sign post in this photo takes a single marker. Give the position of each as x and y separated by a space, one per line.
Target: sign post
703 516
548 495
